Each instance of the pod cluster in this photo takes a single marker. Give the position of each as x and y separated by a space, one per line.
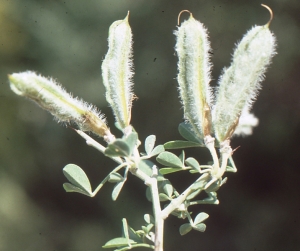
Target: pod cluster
237 87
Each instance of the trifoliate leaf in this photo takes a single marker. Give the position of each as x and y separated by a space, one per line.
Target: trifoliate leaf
77 177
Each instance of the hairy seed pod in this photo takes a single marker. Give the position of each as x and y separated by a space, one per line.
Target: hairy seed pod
53 98
194 68
117 71
240 83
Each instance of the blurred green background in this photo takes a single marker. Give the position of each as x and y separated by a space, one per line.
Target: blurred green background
67 39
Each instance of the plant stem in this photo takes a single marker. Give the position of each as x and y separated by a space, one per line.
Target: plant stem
91 142
159 221
210 144
181 198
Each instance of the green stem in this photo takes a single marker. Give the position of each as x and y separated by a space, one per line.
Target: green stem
181 198
159 221
106 179
96 145
210 144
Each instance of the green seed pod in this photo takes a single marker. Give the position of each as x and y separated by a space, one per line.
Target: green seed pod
194 68
117 71
240 83
53 98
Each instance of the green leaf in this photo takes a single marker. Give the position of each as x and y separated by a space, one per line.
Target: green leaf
157 150
118 242
118 126
125 229
231 167
149 227
179 144
168 188
149 218
133 235
131 141
186 131
200 227
77 177
115 177
200 218
168 170
148 194
71 188
213 187
169 159
163 197
199 184
146 167
149 143
117 190
182 156
192 195
185 228
193 163
119 148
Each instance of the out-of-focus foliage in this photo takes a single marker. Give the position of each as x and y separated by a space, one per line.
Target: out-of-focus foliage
67 40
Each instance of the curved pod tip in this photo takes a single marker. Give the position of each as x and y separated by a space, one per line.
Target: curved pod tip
179 15
271 14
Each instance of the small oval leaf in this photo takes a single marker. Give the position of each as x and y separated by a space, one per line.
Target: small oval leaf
169 159
71 188
185 228
168 188
131 141
163 197
179 144
118 242
193 163
77 177
200 227
115 177
119 148
117 190
149 143
157 150
149 218
186 131
168 170
200 218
